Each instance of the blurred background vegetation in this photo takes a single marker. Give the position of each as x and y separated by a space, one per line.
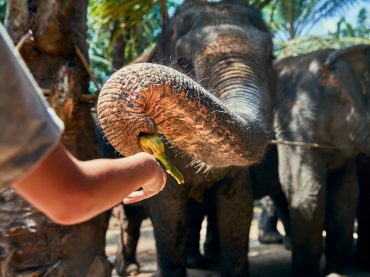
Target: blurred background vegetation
121 30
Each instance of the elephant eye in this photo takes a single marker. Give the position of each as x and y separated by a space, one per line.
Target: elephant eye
184 65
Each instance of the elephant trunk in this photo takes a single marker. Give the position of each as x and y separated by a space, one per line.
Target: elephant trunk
236 84
149 98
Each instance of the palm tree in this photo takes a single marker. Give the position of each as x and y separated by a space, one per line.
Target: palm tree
119 31
290 18
346 34
138 22
359 30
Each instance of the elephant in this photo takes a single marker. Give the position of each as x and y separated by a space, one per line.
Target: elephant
215 118
321 111
274 208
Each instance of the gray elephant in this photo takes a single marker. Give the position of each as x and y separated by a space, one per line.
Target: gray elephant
219 124
323 97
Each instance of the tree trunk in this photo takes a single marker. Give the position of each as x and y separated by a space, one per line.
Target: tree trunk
118 50
30 244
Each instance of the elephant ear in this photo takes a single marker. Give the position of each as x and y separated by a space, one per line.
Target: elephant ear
358 56
348 53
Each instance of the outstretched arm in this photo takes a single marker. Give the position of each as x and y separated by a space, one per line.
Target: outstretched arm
70 191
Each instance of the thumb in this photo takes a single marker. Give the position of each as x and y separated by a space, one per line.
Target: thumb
137 196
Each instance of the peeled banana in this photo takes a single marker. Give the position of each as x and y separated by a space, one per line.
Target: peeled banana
153 145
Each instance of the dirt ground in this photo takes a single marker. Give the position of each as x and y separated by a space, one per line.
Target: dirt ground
265 260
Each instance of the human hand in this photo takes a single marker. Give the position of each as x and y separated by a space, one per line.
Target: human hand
154 185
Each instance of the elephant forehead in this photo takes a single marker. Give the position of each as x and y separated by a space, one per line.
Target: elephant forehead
230 38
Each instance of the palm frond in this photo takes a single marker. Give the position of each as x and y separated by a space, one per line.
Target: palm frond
130 12
296 17
305 44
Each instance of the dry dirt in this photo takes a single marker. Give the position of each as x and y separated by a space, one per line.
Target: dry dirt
265 260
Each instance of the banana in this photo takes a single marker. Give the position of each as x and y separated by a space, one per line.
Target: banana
153 145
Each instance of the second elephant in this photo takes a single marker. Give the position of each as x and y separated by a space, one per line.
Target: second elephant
323 98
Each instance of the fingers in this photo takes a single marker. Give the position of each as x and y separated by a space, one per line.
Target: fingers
146 192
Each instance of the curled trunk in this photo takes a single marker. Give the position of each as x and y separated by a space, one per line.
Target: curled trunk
149 98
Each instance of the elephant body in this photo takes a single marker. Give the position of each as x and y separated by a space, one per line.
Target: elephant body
231 192
323 98
214 128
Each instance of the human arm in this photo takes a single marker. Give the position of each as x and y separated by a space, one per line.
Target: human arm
70 191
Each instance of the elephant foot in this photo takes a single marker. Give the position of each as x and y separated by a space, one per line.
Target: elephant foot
128 269
178 272
270 237
200 262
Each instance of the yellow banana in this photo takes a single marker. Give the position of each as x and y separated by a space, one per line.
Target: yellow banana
153 145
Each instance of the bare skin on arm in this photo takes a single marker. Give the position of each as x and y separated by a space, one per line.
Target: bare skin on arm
70 191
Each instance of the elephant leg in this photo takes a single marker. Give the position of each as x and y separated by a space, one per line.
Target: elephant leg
341 206
126 263
282 211
234 215
303 178
363 214
168 214
267 231
211 244
195 214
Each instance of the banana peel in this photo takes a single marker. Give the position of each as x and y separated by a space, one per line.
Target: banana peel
153 145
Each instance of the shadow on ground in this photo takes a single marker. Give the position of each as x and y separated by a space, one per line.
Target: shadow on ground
265 260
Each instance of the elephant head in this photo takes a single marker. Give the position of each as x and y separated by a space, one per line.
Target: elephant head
223 118
347 72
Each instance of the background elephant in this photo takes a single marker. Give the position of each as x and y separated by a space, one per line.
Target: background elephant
227 48
323 97
266 187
